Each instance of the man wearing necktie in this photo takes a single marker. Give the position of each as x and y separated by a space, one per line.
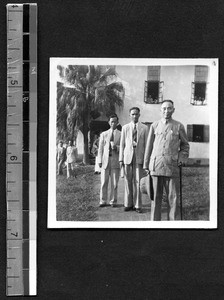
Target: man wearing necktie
132 148
166 149
108 155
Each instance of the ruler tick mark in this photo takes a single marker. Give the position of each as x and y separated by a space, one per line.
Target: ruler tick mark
13 200
13 86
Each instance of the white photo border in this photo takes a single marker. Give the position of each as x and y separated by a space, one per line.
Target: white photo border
213 64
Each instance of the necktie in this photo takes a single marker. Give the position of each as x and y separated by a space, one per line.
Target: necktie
111 140
135 134
112 136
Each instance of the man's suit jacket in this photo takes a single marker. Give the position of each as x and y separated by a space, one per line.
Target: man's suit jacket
104 149
126 145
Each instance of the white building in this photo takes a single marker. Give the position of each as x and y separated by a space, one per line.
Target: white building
189 85
183 85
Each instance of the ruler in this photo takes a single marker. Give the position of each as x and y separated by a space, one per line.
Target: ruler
21 139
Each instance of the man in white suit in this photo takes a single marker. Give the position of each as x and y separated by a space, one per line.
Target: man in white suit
131 157
108 158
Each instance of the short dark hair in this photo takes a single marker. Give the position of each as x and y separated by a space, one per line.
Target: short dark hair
137 108
167 100
113 116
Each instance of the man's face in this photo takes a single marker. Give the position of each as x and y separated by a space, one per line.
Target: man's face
61 144
167 110
113 123
69 143
134 115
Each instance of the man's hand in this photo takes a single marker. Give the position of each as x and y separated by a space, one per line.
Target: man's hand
181 164
100 165
121 164
146 171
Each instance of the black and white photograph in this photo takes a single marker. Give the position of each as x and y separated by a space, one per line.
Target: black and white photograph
130 143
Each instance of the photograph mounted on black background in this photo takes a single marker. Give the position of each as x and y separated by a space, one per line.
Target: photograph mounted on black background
130 143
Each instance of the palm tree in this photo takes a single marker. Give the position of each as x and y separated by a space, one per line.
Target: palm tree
86 92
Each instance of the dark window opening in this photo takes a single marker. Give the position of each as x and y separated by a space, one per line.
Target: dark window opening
199 91
153 92
198 133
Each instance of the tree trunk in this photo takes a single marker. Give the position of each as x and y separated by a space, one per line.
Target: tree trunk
85 144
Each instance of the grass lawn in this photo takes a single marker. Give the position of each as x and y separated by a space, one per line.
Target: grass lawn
195 190
78 198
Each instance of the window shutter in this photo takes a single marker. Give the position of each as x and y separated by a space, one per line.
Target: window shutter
192 92
206 133
190 133
161 84
146 92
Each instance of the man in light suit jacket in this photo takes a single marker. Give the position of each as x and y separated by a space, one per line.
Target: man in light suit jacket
131 157
108 158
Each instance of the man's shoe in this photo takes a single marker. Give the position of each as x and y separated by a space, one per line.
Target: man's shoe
128 208
102 205
138 210
113 205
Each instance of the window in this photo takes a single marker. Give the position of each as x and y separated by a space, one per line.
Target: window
198 133
198 95
153 90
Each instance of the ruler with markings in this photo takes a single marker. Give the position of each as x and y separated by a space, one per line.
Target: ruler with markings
21 160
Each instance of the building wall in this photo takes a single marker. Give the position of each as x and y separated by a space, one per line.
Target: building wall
177 86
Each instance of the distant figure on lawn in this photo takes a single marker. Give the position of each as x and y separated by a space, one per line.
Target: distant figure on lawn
71 153
94 151
167 148
60 156
108 161
132 148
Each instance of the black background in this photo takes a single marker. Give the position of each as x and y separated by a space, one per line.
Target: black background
119 264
